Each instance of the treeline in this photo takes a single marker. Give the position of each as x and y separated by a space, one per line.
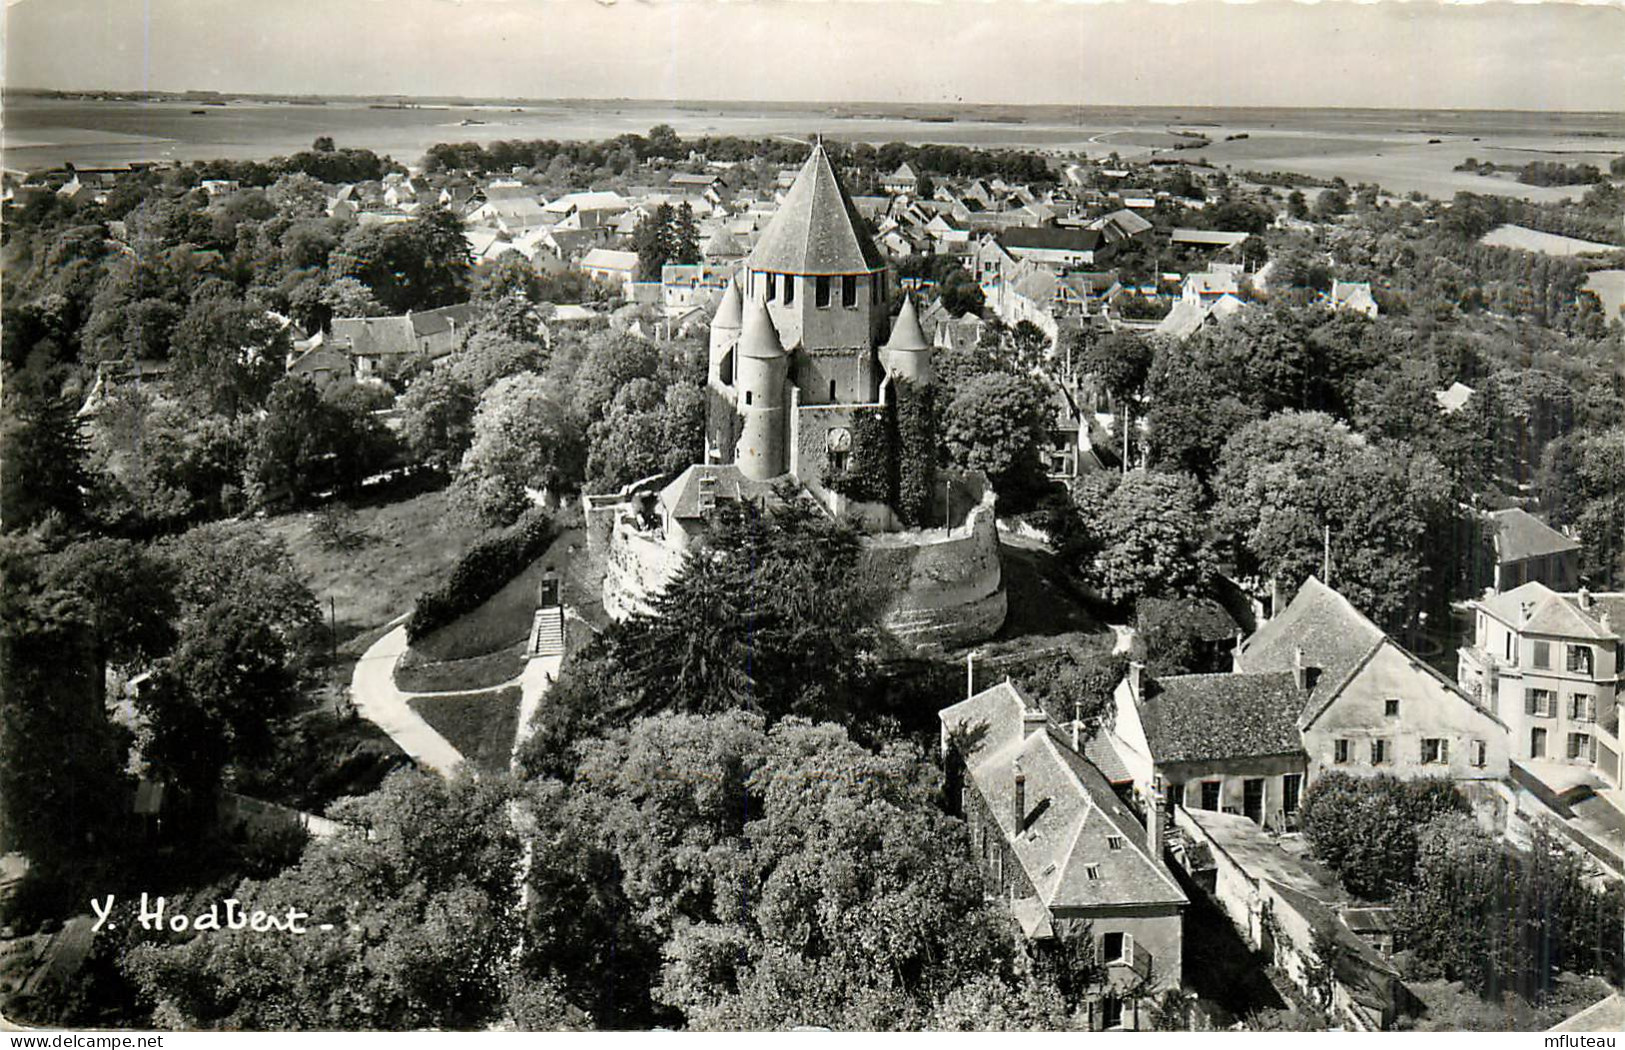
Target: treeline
1540 172
662 144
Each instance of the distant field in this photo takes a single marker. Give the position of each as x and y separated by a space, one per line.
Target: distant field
1389 147
1609 286
1509 236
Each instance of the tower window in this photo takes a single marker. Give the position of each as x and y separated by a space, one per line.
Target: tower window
832 390
772 287
821 292
849 291
789 289
747 397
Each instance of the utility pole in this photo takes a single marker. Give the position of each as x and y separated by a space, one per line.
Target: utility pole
1326 557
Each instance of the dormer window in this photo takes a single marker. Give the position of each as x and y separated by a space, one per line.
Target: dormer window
772 287
849 291
821 292
1114 842
1091 871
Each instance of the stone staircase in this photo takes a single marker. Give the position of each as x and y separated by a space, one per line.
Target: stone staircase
547 632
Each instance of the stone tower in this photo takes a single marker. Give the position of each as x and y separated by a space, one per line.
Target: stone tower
907 354
823 281
761 373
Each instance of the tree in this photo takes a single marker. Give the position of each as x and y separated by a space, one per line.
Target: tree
323 144
421 914
644 433
655 241
309 443
996 423
746 877
127 599
524 440
685 236
1151 540
1284 481
1331 203
1367 829
62 777
228 354
1121 362
45 452
509 274
1501 919
348 297
437 417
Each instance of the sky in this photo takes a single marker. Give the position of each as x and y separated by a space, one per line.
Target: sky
1416 54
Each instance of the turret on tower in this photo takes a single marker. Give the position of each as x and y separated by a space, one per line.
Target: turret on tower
907 354
761 385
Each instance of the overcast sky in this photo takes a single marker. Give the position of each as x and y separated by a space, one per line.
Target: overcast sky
1421 54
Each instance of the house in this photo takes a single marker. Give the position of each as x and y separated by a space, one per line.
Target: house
379 345
1371 706
1294 912
1204 289
1053 839
685 285
1140 199
1548 664
1207 238
513 210
1453 398
613 267
903 180
322 364
1122 225
1220 742
586 210
1527 549
1353 297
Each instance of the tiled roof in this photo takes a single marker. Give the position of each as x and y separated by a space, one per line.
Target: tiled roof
905 331
1334 636
1204 717
730 312
1535 608
758 338
1049 238
1519 535
817 230
1072 814
681 498
1209 237
609 259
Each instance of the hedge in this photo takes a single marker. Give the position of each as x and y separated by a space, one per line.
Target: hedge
482 572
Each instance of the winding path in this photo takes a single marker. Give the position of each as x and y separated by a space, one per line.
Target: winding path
373 690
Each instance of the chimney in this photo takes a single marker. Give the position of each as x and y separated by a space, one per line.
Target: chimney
1300 673
1604 622
1585 599
1077 725
1154 822
1020 796
1136 679
1235 652
970 675
1033 720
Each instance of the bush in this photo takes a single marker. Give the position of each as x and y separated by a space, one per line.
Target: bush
1365 828
482 572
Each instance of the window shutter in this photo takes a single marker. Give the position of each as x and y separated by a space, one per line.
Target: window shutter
1529 701
1128 947
1444 750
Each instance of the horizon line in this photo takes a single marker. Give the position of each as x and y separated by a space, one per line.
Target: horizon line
961 103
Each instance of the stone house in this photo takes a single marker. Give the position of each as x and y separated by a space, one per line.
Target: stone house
1371 706
1055 842
1527 549
1549 664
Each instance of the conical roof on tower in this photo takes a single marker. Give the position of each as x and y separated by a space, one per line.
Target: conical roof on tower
730 312
759 338
817 230
906 333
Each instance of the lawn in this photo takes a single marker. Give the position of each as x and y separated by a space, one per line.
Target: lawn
415 675
402 547
480 725
487 646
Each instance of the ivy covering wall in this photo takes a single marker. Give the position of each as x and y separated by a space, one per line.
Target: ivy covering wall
893 459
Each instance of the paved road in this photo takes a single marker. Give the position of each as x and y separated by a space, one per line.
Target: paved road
372 689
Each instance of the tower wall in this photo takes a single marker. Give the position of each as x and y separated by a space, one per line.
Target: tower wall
801 321
760 451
